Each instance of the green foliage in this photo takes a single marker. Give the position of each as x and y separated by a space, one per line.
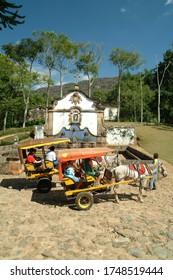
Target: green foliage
10 139
88 62
37 99
131 98
125 60
100 95
40 121
9 16
24 54
55 52
15 131
166 95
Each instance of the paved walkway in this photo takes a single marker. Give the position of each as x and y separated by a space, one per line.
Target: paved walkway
46 226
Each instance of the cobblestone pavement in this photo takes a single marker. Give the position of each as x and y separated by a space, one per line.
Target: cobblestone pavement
46 226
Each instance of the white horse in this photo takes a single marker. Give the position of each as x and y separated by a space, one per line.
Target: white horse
107 161
112 160
124 172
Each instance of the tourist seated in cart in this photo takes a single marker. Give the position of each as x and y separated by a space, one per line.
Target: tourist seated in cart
33 159
73 172
89 169
51 156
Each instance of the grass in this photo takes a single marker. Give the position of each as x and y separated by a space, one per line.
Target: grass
153 138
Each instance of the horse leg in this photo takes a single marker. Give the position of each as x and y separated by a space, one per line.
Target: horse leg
141 188
113 191
116 195
113 188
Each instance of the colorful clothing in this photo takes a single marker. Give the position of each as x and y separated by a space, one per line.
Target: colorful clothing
70 172
89 170
30 158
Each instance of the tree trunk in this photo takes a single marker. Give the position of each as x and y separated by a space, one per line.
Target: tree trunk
90 82
119 100
26 111
134 106
61 84
89 89
5 119
159 84
142 101
158 104
47 104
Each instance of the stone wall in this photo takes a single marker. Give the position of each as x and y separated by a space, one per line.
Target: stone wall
110 114
120 135
9 160
115 136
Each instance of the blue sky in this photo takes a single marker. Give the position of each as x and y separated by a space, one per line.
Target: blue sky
146 26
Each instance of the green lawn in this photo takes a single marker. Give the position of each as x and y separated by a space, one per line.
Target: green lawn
153 138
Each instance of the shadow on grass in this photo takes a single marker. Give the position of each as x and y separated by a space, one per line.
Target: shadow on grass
164 128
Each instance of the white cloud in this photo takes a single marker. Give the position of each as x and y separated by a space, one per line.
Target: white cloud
123 10
168 13
168 2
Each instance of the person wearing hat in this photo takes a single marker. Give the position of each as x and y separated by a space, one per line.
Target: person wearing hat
31 158
51 156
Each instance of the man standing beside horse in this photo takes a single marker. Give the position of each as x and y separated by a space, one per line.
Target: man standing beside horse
153 180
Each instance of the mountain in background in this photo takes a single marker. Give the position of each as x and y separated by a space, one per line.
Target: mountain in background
105 84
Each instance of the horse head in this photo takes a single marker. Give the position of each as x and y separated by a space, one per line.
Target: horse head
162 170
113 160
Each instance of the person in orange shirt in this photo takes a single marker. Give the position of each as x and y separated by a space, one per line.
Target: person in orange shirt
31 158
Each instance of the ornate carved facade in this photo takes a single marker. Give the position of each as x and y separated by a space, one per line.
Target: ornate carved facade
77 117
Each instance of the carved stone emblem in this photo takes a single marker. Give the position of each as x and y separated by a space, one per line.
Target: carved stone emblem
75 98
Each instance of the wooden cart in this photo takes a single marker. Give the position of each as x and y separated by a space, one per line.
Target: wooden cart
44 174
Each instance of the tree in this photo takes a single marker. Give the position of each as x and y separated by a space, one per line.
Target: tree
124 60
10 97
131 98
64 51
6 87
47 58
25 53
88 62
141 77
160 77
9 17
160 81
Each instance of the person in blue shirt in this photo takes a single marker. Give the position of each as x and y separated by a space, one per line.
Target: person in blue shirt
70 172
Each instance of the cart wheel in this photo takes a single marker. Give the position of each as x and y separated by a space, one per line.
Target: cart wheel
84 200
44 185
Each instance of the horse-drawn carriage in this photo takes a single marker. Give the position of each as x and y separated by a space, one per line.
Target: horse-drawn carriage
82 193
111 177
45 173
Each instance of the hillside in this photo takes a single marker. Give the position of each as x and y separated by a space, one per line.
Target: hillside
105 84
